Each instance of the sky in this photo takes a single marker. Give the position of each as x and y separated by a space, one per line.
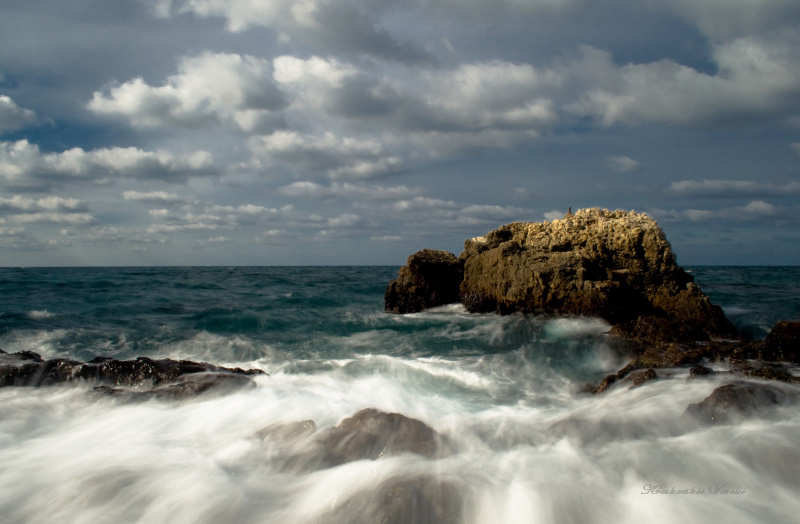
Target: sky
316 132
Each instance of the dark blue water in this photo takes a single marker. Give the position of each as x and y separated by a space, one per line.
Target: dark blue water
300 311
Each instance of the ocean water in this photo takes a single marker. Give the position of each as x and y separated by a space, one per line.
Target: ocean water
526 443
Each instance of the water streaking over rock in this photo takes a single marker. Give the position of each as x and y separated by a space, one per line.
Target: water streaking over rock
439 416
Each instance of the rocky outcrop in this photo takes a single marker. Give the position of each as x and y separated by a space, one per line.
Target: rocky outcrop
430 278
164 378
736 400
616 265
783 343
371 434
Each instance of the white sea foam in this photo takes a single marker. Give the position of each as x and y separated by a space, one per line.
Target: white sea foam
44 342
40 315
578 459
572 327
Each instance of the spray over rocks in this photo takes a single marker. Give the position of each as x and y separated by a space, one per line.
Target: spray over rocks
613 265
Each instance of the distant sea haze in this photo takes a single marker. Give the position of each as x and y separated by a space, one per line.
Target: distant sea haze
525 442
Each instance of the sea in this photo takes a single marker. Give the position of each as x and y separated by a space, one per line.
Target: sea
527 443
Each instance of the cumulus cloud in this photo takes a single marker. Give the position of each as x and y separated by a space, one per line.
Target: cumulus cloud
753 210
155 197
209 89
337 157
554 215
623 164
728 188
18 203
23 165
306 189
13 117
343 26
757 78
725 19
422 213
210 217
75 219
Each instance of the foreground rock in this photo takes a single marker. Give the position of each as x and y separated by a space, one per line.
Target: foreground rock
423 499
736 400
616 265
369 434
163 378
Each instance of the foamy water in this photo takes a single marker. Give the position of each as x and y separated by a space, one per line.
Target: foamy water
525 442
526 449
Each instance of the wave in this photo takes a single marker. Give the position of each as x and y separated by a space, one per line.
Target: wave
40 315
576 458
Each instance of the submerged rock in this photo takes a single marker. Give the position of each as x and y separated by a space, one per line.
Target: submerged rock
430 278
371 434
164 378
616 265
420 499
738 398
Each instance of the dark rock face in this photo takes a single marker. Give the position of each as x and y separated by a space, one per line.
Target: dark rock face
370 434
738 398
165 378
185 387
783 343
430 278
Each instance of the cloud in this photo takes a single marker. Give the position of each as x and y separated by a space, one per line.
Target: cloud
554 215
754 210
210 217
796 147
75 219
339 26
23 165
13 117
757 78
337 157
623 164
154 197
209 89
348 190
730 188
346 220
423 213
725 19
18 203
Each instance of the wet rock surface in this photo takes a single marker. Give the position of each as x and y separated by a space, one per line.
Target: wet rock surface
430 278
737 399
164 378
369 434
423 499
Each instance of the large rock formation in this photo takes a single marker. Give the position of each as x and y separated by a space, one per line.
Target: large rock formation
616 265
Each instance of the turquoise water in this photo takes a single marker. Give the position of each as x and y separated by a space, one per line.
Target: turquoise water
502 389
